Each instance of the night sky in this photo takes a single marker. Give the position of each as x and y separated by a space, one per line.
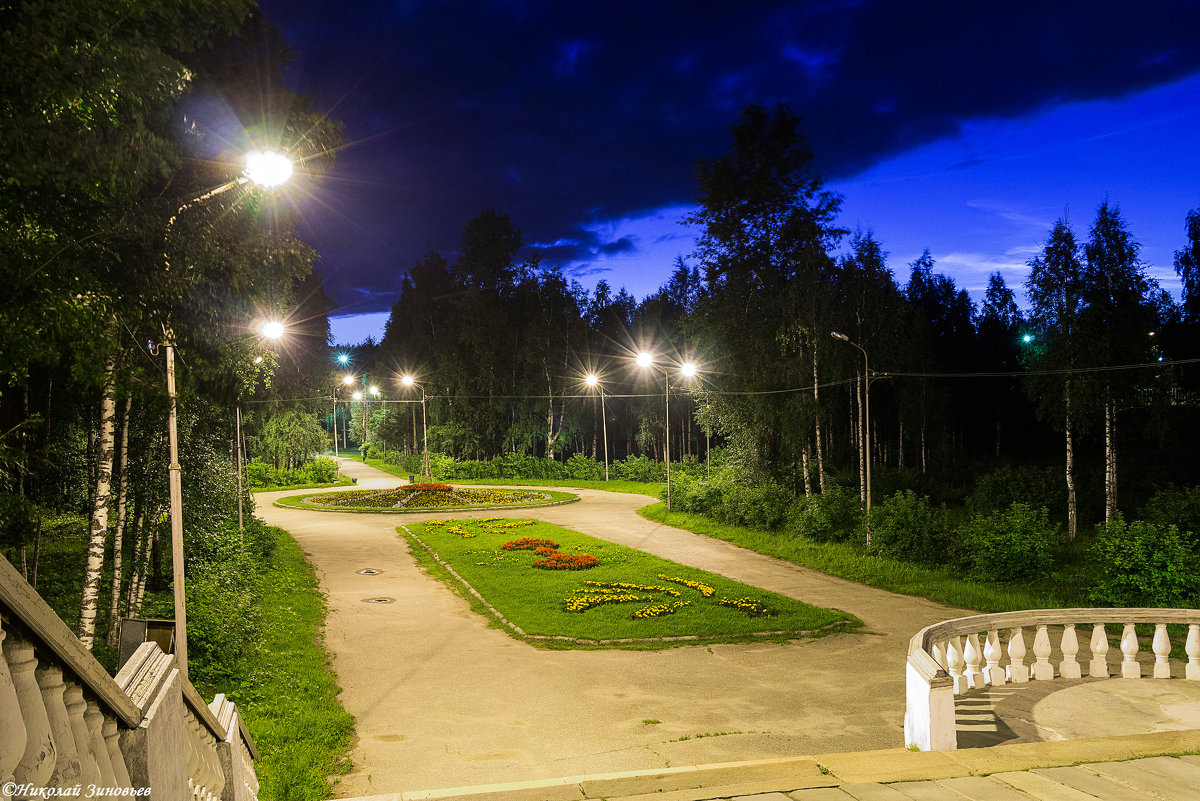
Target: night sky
967 128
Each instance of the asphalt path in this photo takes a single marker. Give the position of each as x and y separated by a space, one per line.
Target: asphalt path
443 699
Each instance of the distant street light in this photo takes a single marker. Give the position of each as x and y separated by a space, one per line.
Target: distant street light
343 358
593 381
867 416
267 170
426 470
645 361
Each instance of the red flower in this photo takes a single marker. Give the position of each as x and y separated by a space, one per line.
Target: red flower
567 561
530 544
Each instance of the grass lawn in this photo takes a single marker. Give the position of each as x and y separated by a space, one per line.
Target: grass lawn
651 488
622 593
845 561
289 697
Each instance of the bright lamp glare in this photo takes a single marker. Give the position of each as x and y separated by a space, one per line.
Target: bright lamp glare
347 380
258 359
273 329
357 396
267 168
591 379
644 359
407 380
374 390
688 369
343 358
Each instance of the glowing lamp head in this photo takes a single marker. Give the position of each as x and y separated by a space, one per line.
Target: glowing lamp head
1027 338
373 390
687 369
267 168
343 358
357 396
407 380
347 380
273 329
644 359
591 379
258 359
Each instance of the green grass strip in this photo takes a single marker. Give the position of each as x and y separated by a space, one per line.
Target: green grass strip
344 481
846 561
689 602
650 488
289 699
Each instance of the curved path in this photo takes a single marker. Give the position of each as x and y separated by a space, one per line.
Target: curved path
443 700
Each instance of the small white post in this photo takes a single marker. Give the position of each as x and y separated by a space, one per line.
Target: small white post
1162 652
1099 645
1192 648
1018 671
992 653
1042 669
974 659
1068 668
1130 669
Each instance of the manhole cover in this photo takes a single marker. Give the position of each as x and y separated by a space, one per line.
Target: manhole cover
378 600
369 571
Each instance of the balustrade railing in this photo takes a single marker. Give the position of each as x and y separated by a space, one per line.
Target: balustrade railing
955 656
65 723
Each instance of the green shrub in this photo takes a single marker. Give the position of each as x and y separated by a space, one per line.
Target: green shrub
906 527
834 515
638 468
1142 564
1016 544
1176 506
1036 486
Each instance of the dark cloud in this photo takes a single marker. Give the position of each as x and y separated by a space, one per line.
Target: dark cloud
567 114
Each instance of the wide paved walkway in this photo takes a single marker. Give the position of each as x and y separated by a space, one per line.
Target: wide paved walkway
442 699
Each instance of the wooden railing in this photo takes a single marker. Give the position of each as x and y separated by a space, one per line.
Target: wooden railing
65 723
955 656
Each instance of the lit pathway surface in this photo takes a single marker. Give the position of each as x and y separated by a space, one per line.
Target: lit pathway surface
442 699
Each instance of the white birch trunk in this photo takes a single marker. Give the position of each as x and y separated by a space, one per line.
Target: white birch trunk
1072 507
817 426
862 442
119 531
98 524
808 485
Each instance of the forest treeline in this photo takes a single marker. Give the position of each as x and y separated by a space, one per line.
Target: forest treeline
1092 376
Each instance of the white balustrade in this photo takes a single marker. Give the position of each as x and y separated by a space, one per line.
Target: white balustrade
1099 645
957 656
65 723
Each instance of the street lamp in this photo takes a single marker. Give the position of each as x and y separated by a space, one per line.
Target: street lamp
271 330
867 416
266 170
645 361
410 382
593 381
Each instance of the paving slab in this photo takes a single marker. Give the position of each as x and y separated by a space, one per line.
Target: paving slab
893 765
1041 787
1130 773
1172 768
1024 756
819 794
1089 781
977 788
926 791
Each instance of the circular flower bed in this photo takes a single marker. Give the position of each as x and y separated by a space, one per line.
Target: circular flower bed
425 496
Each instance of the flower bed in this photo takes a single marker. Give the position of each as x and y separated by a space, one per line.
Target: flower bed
530 544
411 497
566 561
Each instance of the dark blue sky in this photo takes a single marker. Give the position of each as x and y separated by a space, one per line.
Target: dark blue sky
967 128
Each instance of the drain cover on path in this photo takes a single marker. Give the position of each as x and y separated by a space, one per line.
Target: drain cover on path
369 571
378 600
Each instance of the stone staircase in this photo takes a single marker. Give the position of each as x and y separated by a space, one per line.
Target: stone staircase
1162 766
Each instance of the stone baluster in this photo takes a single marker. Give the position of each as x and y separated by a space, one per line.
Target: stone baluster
66 765
36 765
192 753
249 778
1130 668
12 732
89 770
1018 671
939 654
94 719
1192 648
216 775
1042 669
973 656
1099 645
112 741
1069 668
955 663
991 652
1162 652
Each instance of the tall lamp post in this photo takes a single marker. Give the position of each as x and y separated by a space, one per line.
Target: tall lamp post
267 170
410 382
867 416
347 380
645 361
593 380
271 330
